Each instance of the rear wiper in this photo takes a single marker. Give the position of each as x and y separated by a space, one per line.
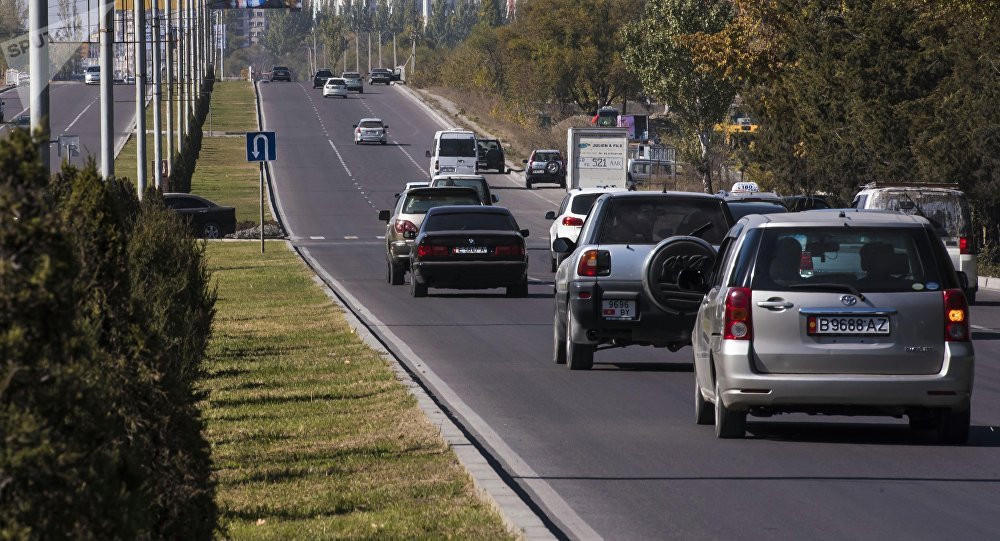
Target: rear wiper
830 286
920 212
700 230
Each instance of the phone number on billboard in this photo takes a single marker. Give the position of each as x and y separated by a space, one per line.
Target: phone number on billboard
600 163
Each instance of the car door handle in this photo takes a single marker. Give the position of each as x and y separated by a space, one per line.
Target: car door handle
775 305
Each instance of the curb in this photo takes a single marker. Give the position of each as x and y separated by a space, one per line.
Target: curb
989 282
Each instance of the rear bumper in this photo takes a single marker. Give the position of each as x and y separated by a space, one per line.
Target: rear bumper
651 326
371 138
470 274
742 388
399 250
545 177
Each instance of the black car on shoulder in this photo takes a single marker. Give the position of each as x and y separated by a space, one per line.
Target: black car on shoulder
469 247
281 73
491 155
321 76
382 76
206 219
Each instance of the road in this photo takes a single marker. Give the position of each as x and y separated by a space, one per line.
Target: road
612 452
75 109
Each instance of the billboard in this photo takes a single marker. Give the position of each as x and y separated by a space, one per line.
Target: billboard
295 5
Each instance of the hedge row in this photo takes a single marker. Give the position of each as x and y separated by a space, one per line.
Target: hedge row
183 166
105 313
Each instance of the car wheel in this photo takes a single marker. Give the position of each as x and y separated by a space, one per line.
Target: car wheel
558 339
552 168
678 289
211 230
578 356
394 274
970 296
527 184
416 288
729 424
362 91
922 422
953 426
562 183
519 290
383 142
703 412
555 264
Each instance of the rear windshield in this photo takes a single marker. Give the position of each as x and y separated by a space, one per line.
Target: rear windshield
948 211
421 203
648 221
471 221
335 82
351 75
546 156
324 73
370 124
94 69
457 147
868 259
741 209
583 203
468 183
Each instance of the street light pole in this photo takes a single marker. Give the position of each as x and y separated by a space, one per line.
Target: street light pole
107 31
38 59
139 25
169 46
157 97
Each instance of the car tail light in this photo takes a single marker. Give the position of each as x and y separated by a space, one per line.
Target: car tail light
738 325
806 262
594 263
404 225
425 250
513 249
956 316
964 245
572 221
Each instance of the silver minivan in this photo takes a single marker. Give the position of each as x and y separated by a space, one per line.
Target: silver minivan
838 313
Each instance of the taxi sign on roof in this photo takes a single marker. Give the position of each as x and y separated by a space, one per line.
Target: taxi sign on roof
745 187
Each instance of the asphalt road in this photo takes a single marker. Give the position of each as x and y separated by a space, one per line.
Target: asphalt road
75 109
612 452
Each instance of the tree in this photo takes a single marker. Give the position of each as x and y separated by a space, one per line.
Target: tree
490 13
656 53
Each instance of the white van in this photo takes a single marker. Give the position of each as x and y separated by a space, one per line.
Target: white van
945 206
455 152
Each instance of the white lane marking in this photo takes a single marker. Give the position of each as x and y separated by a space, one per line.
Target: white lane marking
380 236
516 465
9 123
350 237
341 158
85 109
403 150
317 238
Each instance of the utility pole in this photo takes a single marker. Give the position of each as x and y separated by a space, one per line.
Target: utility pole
169 46
180 55
222 47
139 24
38 61
189 68
157 98
107 31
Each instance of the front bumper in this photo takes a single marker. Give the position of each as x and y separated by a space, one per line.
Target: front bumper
469 274
651 325
742 388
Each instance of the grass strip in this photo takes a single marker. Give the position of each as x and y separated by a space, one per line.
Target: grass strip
312 435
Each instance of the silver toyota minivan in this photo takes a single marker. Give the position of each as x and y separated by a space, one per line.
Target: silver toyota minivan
834 312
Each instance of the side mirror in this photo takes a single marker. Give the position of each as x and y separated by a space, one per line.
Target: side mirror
354 125
383 215
494 198
524 233
963 280
563 245
550 215
524 161
409 234
386 127
427 154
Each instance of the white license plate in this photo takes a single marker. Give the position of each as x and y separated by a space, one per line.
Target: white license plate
537 170
848 325
470 250
618 309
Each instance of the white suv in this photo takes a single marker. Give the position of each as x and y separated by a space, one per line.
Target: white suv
568 220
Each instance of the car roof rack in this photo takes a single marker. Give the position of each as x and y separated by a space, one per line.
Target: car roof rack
902 184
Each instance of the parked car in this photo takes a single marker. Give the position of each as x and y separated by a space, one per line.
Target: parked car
335 87
478 182
568 220
319 80
397 74
544 166
407 215
92 75
206 218
371 130
798 203
834 313
353 80
380 76
634 277
281 73
491 155
469 247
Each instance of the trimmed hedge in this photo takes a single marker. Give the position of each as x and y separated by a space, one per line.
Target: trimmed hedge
184 164
105 314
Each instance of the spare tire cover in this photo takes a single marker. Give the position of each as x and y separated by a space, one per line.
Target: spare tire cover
676 272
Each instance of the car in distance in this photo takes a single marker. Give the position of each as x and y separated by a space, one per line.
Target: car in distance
740 209
469 247
23 121
206 218
834 313
491 155
798 203
544 166
92 75
353 79
407 215
335 87
477 182
568 220
380 76
281 73
321 76
635 275
455 152
371 130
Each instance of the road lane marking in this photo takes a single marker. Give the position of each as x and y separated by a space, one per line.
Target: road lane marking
317 238
403 150
85 109
341 158
350 237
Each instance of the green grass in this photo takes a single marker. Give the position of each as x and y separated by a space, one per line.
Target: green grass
312 435
223 175
233 108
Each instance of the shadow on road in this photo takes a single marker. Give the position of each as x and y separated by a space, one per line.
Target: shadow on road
648 367
854 433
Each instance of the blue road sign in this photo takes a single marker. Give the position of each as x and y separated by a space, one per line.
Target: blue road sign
261 146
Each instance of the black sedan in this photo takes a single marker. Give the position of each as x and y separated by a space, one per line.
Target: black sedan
469 247
321 76
281 73
206 218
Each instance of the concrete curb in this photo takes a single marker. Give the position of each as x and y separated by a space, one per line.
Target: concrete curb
989 282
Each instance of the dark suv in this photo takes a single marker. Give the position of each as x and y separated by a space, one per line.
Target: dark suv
320 78
381 76
491 155
545 166
281 73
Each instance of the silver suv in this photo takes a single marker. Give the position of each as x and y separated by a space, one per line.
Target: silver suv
834 312
637 274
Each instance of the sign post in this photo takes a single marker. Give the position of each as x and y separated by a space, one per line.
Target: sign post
261 147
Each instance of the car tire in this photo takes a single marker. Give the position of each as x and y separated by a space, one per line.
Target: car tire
562 183
520 290
578 356
704 414
394 274
416 288
729 424
678 292
552 168
922 422
555 264
558 339
953 426
211 230
970 297
527 184
384 142
362 91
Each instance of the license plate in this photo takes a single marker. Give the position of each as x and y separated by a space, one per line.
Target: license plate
618 309
447 169
537 170
470 250
848 325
